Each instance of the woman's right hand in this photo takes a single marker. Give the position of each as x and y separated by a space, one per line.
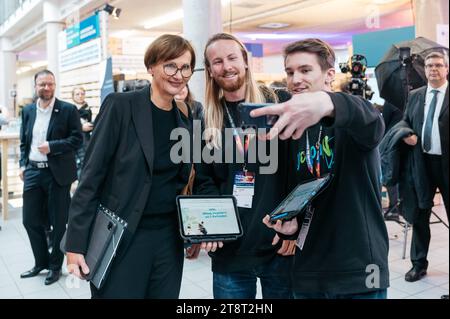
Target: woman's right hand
76 265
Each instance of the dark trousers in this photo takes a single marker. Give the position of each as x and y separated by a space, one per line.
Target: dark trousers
421 227
150 268
393 197
44 200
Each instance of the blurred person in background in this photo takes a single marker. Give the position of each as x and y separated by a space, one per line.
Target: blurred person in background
78 97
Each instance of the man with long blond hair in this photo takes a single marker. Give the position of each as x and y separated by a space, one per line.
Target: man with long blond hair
237 265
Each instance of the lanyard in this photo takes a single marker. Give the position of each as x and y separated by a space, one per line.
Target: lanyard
309 161
242 147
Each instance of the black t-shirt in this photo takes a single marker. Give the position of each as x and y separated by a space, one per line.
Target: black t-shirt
165 172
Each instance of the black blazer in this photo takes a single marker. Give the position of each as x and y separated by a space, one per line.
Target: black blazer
118 166
414 118
64 137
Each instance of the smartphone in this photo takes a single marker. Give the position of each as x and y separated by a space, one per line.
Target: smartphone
255 122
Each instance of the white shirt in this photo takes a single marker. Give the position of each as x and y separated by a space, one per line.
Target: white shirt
435 136
40 130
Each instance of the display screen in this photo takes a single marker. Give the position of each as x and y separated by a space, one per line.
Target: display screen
208 216
297 200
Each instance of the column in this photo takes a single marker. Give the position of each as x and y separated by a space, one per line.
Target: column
202 19
428 15
7 74
53 27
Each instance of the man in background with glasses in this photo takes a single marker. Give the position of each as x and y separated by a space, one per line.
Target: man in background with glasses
49 137
427 114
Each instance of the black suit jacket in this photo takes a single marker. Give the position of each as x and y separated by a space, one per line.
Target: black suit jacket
414 118
64 137
118 166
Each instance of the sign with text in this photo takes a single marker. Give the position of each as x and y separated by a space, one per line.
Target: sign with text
82 55
82 32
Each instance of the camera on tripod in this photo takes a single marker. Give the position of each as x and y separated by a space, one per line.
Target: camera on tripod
358 84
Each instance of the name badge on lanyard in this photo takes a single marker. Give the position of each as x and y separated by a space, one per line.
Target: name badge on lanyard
244 188
244 181
305 227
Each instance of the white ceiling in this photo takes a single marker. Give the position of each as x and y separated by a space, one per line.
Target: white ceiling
333 20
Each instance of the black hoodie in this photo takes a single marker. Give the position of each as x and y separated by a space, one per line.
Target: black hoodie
347 238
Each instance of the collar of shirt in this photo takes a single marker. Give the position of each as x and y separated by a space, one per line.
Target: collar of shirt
441 89
49 108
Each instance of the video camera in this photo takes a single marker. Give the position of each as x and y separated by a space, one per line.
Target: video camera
357 68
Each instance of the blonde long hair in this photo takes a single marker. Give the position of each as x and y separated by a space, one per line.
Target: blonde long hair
213 107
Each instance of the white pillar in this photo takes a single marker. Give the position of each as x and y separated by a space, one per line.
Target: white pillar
53 27
7 75
104 27
202 19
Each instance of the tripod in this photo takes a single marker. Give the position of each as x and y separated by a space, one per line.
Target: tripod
400 221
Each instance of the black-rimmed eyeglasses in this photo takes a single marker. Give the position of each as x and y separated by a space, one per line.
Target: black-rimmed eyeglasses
172 69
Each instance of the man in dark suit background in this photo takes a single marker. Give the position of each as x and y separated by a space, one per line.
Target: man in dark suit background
49 136
427 114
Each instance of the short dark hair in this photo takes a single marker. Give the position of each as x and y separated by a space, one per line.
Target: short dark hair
167 47
43 72
325 54
437 55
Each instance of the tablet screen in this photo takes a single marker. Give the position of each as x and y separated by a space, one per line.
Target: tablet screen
208 216
298 199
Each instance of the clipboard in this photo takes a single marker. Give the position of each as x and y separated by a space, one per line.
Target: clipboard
105 237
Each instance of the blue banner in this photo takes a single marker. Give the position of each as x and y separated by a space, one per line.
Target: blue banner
84 31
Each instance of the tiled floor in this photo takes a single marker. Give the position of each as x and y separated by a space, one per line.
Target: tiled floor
16 257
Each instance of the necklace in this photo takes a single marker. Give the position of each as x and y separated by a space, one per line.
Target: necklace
316 159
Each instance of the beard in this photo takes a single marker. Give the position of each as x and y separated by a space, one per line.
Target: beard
46 96
231 86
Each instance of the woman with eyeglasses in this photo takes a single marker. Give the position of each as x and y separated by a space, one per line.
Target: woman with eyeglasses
128 170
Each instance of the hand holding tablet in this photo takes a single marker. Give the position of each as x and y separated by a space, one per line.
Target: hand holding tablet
296 202
209 220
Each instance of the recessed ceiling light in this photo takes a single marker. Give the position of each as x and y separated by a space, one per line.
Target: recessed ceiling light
249 4
274 25
382 1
